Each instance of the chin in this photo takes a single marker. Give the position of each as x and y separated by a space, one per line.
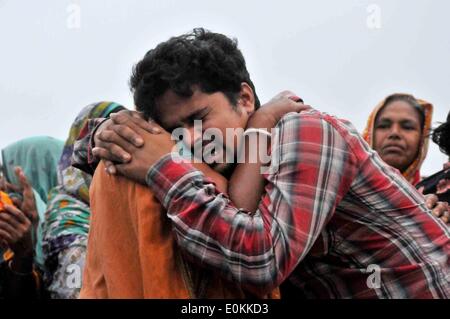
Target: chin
394 163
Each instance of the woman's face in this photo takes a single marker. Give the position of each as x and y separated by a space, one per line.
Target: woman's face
397 134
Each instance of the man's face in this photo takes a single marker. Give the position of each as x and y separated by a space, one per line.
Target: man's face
214 111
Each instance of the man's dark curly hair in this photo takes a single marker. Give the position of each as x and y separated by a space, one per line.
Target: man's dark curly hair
441 136
201 58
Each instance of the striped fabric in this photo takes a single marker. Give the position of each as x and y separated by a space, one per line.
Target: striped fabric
333 218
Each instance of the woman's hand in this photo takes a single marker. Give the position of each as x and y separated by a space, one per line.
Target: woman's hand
17 223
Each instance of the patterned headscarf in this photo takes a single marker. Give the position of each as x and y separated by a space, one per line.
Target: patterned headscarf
412 173
68 213
74 181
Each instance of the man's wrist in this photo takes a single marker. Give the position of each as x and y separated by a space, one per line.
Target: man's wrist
94 132
156 167
169 175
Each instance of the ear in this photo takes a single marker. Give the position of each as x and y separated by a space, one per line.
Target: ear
246 100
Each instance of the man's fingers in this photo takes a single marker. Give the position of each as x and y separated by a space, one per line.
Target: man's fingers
112 153
136 119
286 93
122 169
302 107
149 125
127 135
125 127
125 132
298 106
121 117
110 168
114 135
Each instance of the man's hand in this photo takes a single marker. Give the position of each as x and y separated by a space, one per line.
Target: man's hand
439 209
142 158
117 136
131 160
269 114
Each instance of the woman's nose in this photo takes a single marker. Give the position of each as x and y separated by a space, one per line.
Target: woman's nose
395 131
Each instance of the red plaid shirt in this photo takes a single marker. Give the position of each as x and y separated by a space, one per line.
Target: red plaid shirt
331 215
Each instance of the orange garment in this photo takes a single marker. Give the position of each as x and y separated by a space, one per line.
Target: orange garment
131 250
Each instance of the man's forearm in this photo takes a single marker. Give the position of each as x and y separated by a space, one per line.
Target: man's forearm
220 181
246 185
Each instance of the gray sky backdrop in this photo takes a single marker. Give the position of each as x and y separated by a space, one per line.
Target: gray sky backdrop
341 56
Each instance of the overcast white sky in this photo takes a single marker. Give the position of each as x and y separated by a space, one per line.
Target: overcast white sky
341 56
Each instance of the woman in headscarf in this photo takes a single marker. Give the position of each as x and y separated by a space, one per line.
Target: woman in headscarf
29 169
398 129
67 218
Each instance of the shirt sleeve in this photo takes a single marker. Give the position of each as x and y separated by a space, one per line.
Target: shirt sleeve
311 169
82 157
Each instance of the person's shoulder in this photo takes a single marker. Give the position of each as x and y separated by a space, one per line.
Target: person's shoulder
297 120
312 124
313 117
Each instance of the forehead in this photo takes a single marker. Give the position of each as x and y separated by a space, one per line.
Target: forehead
399 111
172 109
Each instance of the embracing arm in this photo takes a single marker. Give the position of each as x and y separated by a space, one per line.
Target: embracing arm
246 185
310 169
